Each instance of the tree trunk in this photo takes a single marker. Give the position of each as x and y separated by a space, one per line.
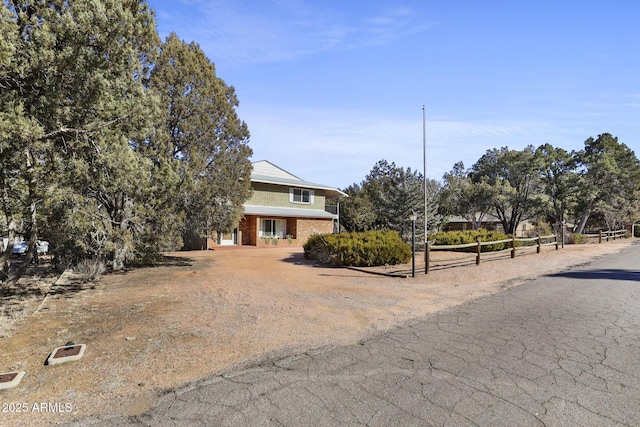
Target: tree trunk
558 211
11 225
119 258
585 217
122 217
4 258
476 223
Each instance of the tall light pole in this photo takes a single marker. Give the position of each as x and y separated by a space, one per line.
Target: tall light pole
424 162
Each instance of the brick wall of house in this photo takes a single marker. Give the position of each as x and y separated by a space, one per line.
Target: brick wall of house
292 227
248 228
306 227
299 229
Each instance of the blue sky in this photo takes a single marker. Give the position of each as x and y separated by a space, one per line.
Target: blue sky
328 88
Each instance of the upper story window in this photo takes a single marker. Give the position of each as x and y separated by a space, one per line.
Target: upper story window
300 195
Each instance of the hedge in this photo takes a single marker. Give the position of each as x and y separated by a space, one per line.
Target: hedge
370 248
578 239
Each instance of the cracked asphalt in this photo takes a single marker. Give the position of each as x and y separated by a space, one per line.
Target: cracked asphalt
561 350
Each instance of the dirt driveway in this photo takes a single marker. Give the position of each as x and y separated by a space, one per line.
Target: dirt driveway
204 313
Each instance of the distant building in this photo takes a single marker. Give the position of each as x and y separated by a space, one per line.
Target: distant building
489 222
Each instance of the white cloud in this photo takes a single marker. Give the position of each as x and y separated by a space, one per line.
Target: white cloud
339 147
274 31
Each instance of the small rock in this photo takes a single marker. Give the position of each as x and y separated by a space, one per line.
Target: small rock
130 338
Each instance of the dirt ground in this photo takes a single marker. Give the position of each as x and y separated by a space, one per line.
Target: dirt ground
204 313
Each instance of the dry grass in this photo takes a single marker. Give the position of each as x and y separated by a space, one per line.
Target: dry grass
11 313
21 301
90 269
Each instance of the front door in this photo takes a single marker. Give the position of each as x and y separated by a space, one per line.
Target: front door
228 239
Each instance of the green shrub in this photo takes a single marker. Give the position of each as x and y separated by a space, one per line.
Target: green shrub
578 239
370 248
471 236
541 228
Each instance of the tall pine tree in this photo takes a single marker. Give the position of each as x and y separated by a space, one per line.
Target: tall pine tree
72 99
201 133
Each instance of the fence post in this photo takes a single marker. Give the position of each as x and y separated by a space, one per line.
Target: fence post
513 246
427 257
539 240
478 250
600 236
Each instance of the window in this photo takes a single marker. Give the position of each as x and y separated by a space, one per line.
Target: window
272 228
300 195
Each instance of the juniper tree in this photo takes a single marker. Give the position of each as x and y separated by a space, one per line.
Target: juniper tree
385 199
356 211
609 179
514 177
201 133
462 196
72 99
559 179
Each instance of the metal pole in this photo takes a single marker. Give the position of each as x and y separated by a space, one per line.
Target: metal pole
424 164
413 248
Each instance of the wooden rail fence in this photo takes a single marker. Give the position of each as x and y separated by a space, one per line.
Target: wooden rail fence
602 235
606 234
478 247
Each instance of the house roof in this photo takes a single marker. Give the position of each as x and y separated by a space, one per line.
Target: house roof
488 218
268 173
287 212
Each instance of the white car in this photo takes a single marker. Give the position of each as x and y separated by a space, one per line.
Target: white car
42 246
21 248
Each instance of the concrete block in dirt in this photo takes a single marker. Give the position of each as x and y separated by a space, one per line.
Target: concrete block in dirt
67 353
10 379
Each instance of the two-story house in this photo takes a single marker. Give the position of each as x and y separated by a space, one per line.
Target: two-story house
283 207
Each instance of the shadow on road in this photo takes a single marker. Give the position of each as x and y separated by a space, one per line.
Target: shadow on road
605 274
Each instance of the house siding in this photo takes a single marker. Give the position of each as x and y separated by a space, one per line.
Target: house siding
278 196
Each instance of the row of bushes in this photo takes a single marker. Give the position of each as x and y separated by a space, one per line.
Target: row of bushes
386 247
358 249
472 236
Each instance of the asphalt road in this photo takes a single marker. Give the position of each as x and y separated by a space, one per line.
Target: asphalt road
562 350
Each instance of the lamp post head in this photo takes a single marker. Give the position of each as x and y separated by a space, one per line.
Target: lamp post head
412 216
